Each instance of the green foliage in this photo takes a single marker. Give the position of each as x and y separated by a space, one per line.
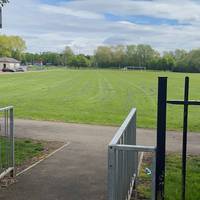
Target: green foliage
12 46
66 58
173 178
145 56
189 62
96 96
3 2
80 61
105 57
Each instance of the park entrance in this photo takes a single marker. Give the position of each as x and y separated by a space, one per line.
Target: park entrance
124 153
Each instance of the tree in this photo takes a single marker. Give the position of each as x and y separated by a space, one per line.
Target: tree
67 56
80 61
190 62
2 2
118 56
12 46
140 55
103 56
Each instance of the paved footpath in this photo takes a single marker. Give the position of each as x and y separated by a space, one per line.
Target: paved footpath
79 171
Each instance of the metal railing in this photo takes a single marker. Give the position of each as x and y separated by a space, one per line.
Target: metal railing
123 161
7 159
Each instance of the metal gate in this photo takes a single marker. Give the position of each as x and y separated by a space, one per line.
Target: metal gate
161 135
123 161
6 142
123 151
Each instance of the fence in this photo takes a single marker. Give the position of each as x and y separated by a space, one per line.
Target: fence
6 142
123 161
161 135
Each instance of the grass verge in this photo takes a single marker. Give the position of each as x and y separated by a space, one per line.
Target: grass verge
27 151
173 178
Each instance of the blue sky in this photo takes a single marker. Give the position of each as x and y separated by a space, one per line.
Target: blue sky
50 25
142 19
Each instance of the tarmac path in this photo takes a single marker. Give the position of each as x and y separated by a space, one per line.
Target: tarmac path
78 171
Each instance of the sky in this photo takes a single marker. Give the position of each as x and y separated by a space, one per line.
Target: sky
50 25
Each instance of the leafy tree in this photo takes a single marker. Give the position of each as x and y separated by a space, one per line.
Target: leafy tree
118 56
103 56
12 46
2 2
80 61
141 55
67 56
190 62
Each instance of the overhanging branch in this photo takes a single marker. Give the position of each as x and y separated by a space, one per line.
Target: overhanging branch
2 2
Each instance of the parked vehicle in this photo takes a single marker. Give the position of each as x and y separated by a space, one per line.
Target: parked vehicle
7 70
20 69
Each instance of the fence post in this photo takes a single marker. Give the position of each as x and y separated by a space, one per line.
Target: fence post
185 129
111 173
12 141
161 138
0 17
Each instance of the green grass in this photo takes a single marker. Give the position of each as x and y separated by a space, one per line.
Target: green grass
24 150
173 179
96 96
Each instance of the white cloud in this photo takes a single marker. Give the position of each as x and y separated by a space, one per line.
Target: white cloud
81 24
69 12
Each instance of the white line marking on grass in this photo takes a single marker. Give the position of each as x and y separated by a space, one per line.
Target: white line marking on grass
38 162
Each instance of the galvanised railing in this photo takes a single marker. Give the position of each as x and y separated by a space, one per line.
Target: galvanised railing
7 158
123 161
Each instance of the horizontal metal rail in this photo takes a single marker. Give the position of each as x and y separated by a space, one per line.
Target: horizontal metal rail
123 127
137 148
6 108
182 102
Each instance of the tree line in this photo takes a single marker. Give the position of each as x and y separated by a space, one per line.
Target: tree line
119 56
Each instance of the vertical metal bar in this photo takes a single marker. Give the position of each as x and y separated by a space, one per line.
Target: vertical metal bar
1 143
12 141
117 175
0 17
185 130
161 137
111 173
120 175
153 176
135 155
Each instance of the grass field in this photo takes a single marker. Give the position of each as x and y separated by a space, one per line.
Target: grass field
173 179
95 96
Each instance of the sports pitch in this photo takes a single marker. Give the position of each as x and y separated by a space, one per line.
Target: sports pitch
96 96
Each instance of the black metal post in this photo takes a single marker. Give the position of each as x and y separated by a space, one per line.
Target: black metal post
161 138
185 130
0 16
